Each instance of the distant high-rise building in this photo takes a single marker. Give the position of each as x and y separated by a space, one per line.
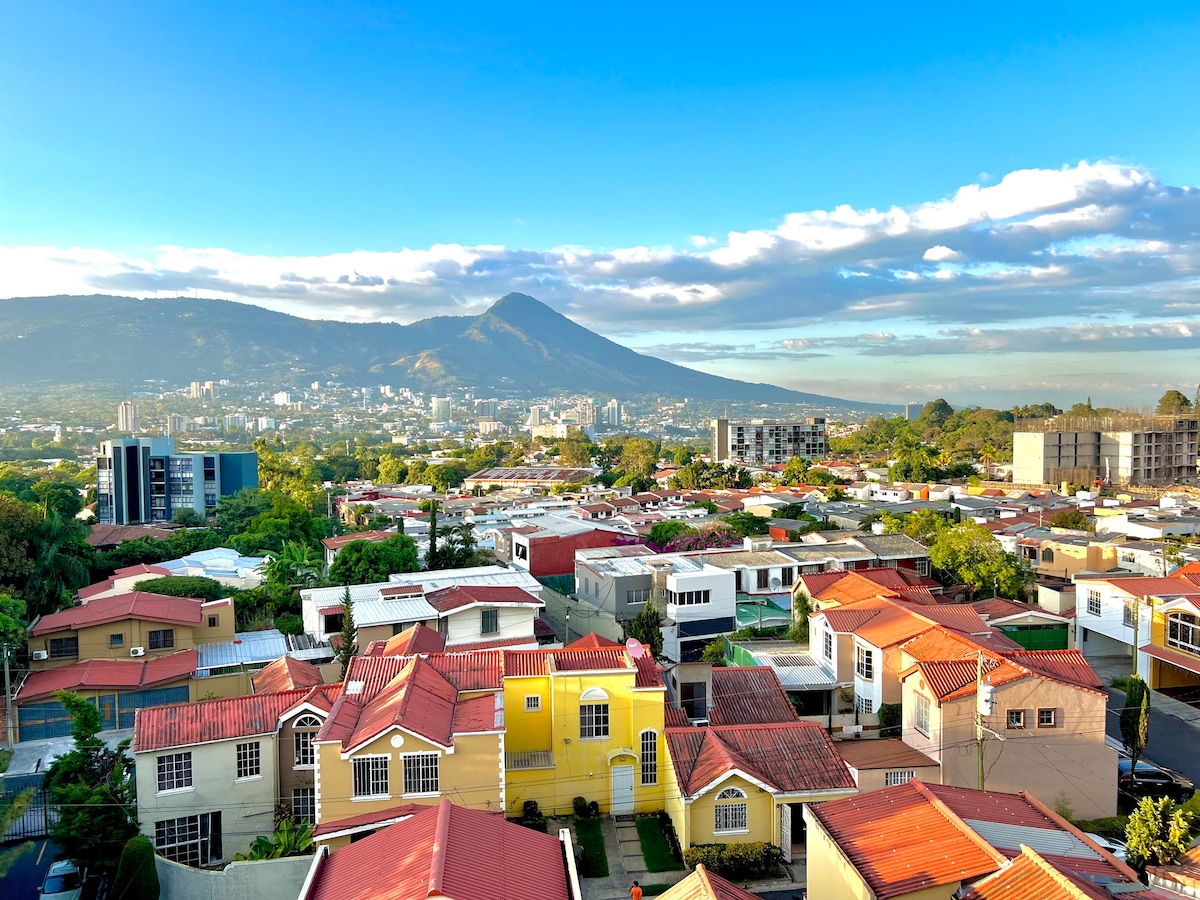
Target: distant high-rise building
487 409
537 416
235 422
586 413
197 390
760 443
128 418
441 410
612 413
282 398
140 480
176 423
210 389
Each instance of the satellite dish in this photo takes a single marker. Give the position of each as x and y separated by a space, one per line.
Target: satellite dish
635 648
776 584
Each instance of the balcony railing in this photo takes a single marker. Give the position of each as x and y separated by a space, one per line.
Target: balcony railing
529 759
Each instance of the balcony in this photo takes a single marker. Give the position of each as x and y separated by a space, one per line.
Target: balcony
529 759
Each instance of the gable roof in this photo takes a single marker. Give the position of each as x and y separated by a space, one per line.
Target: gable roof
884 753
749 695
136 605
117 674
286 674
341 540
417 638
702 884
445 851
591 641
1029 875
459 596
791 757
205 721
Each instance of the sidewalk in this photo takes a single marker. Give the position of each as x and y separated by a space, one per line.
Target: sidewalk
33 757
1109 667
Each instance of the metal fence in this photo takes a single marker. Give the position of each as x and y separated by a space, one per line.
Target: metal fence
38 818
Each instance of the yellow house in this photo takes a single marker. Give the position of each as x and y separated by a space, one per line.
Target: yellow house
1173 650
585 723
745 783
1067 555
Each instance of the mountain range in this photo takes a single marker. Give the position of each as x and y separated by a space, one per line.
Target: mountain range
519 346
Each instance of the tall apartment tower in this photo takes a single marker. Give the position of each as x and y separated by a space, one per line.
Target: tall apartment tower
128 418
142 480
612 413
441 410
760 443
210 389
487 409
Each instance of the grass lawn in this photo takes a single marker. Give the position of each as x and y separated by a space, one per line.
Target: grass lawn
5 757
655 848
591 839
653 890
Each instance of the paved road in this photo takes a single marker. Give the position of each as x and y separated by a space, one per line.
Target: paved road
1172 741
25 877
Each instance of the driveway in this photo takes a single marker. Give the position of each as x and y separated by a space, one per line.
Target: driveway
1172 741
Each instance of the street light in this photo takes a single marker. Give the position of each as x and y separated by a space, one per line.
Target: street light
568 628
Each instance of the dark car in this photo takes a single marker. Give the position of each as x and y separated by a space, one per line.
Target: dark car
1153 781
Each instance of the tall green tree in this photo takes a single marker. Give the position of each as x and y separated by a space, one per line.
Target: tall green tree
347 647
1135 720
58 564
646 627
369 562
56 497
967 554
93 789
1158 831
1173 403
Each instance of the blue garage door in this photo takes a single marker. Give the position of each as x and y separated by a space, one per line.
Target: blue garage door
130 703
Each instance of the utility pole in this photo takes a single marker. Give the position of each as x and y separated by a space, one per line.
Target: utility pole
10 729
979 705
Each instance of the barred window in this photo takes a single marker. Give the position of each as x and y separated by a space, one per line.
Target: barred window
304 804
174 771
420 773
191 840
533 702
649 757
162 640
902 776
64 648
371 776
249 760
730 816
593 721
116 640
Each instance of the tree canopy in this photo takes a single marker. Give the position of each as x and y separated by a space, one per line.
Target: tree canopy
368 562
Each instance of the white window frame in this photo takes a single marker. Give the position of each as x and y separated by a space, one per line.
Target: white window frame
897 777
594 721
367 768
196 848
302 742
1094 606
1053 711
1014 718
864 662
649 742
423 765
827 644
533 703
175 772
921 714
731 817
866 705
249 761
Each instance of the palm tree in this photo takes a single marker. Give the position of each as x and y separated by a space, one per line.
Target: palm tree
987 457
56 570
297 564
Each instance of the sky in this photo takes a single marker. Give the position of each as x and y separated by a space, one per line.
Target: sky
888 202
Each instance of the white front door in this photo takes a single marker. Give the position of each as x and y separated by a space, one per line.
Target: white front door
622 790
785 831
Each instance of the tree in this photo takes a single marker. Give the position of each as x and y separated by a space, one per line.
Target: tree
296 565
748 524
987 458
646 627
137 877
187 517
1135 720
93 789
14 619
347 648
56 547
796 470
714 652
575 454
1073 519
369 562
392 469
59 498
196 586
967 554
1173 403
924 525
1158 831
662 533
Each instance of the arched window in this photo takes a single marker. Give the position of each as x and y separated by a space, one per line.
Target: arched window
593 715
649 757
304 729
1183 632
1047 555
729 815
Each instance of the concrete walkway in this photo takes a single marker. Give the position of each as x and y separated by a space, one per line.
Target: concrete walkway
33 757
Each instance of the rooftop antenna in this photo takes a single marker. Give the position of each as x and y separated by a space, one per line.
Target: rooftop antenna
635 648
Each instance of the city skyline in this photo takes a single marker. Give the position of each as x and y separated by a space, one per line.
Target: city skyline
926 208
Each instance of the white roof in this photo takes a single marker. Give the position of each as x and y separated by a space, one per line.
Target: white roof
484 576
399 609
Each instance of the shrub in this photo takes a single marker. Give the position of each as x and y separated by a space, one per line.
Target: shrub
889 719
136 878
579 804
756 859
530 809
289 624
195 586
593 810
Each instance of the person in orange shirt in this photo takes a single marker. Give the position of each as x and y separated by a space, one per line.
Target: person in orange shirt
635 892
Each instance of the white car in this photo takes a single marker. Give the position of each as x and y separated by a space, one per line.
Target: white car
1112 845
62 882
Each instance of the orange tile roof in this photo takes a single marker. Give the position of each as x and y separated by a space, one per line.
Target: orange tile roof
286 674
336 543
183 724
791 757
749 695
117 674
445 851
591 641
135 605
415 639
417 699
1067 666
893 625
702 884
1031 876
884 753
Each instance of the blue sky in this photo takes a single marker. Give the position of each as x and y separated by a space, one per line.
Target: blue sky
672 177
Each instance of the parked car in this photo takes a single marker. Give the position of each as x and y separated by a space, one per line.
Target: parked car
62 882
1112 845
1153 781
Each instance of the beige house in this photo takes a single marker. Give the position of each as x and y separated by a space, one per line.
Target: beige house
886 762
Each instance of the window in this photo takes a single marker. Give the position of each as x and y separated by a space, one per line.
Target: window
827 644
864 663
1128 613
641 595
162 640
191 840
593 721
788 575
1016 718
689 598
116 640
1183 632
370 776
490 621
763 579
174 771
304 804
533 703
1047 555
214 621
921 714
693 698
901 776
64 648
865 705
730 817
1093 602
303 732
923 567
649 757
249 760
420 773
1047 718
333 622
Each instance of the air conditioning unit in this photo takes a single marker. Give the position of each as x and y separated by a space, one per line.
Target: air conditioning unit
40 655
137 651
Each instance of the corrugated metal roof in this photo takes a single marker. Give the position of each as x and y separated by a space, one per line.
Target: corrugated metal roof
459 595
799 671
369 612
446 851
249 647
702 884
1032 876
748 695
1009 836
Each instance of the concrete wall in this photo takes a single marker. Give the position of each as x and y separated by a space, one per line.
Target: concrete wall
874 779
585 616
466 626
267 879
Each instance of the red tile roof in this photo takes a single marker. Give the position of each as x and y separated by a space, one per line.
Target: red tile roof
515 643
415 639
1153 587
1029 876
336 543
138 605
106 535
749 695
286 674
184 724
1067 666
377 817
445 851
702 884
116 674
107 585
591 641
846 619
884 753
1182 660
791 757
461 596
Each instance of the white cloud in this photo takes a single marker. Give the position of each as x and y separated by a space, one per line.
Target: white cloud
941 253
